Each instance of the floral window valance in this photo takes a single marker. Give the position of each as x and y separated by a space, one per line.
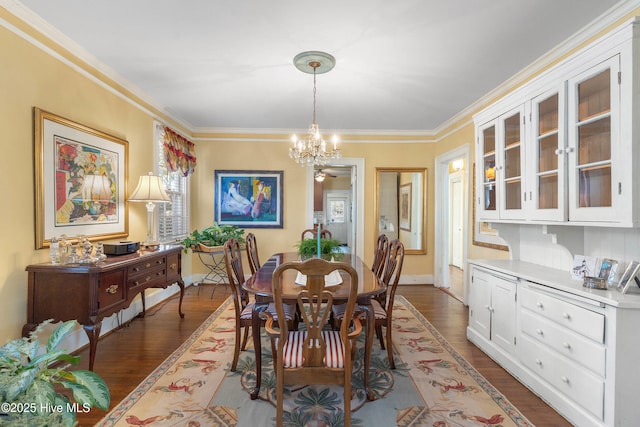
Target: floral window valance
180 153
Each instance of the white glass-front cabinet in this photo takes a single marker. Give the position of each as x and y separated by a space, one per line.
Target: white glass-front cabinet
501 171
570 154
597 191
546 182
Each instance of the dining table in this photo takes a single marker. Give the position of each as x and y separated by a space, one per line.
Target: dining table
260 285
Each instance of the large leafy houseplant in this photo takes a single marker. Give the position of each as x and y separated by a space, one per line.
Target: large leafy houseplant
213 235
32 385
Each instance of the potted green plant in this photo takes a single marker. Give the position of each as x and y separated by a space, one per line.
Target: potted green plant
211 237
28 380
308 248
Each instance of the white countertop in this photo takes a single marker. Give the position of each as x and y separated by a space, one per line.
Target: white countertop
562 281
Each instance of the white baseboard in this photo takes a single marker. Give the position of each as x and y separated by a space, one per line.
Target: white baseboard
419 279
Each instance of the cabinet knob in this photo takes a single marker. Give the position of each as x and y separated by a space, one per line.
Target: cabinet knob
112 289
174 267
540 305
539 362
559 151
565 380
566 345
539 332
566 316
570 150
148 265
487 307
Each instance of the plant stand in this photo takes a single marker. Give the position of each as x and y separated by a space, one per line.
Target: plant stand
212 257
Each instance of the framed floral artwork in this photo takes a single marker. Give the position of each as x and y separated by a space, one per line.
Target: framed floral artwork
80 181
248 199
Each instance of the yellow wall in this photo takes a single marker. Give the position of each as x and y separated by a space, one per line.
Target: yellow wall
29 78
233 155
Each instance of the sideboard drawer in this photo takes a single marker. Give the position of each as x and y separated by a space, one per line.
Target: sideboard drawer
148 278
173 267
111 290
146 266
579 319
574 346
573 381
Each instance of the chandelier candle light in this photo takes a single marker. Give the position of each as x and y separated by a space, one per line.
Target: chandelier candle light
312 149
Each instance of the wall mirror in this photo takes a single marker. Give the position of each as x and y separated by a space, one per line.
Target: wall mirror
401 206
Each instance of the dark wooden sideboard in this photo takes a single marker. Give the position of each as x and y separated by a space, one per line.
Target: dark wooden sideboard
91 292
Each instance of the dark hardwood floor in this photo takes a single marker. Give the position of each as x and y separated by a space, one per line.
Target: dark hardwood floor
126 356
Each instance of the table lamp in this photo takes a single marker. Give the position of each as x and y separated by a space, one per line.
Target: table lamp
150 190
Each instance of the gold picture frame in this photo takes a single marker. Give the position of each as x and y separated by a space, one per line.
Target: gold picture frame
80 177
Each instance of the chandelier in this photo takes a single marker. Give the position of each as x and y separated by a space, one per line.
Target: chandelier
312 149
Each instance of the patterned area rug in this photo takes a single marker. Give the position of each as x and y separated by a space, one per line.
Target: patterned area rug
432 385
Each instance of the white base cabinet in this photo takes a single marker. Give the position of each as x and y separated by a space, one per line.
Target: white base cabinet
576 348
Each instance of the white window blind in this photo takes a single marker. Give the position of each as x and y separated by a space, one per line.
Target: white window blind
173 216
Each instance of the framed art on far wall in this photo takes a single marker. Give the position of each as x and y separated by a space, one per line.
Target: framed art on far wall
248 199
404 206
80 181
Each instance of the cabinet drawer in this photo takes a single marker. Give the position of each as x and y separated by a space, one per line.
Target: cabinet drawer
149 278
564 341
173 267
110 289
144 267
581 320
577 383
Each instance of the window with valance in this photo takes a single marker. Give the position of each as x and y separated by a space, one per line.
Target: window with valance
180 153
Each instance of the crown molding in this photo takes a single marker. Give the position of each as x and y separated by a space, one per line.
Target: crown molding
106 77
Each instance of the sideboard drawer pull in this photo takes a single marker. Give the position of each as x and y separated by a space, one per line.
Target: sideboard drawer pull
112 289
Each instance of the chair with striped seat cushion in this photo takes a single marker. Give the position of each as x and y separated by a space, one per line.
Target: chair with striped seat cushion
244 308
383 311
313 354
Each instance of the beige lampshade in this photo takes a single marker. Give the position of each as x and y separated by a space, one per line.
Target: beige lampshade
149 189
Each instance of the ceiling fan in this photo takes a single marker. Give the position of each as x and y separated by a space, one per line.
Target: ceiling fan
320 175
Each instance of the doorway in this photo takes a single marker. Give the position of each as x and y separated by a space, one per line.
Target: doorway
354 167
337 213
451 220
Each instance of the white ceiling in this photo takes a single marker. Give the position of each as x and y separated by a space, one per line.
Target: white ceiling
401 67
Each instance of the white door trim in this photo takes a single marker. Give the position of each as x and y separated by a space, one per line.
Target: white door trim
441 235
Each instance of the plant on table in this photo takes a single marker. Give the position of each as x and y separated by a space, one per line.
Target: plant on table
308 248
32 384
213 235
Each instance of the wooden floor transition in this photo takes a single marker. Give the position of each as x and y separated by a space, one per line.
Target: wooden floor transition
126 356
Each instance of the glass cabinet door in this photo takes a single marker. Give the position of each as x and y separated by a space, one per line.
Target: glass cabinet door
547 192
486 173
593 131
511 166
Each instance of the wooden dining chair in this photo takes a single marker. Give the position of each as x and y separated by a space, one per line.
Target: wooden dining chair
314 354
382 307
244 308
252 253
381 251
312 233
